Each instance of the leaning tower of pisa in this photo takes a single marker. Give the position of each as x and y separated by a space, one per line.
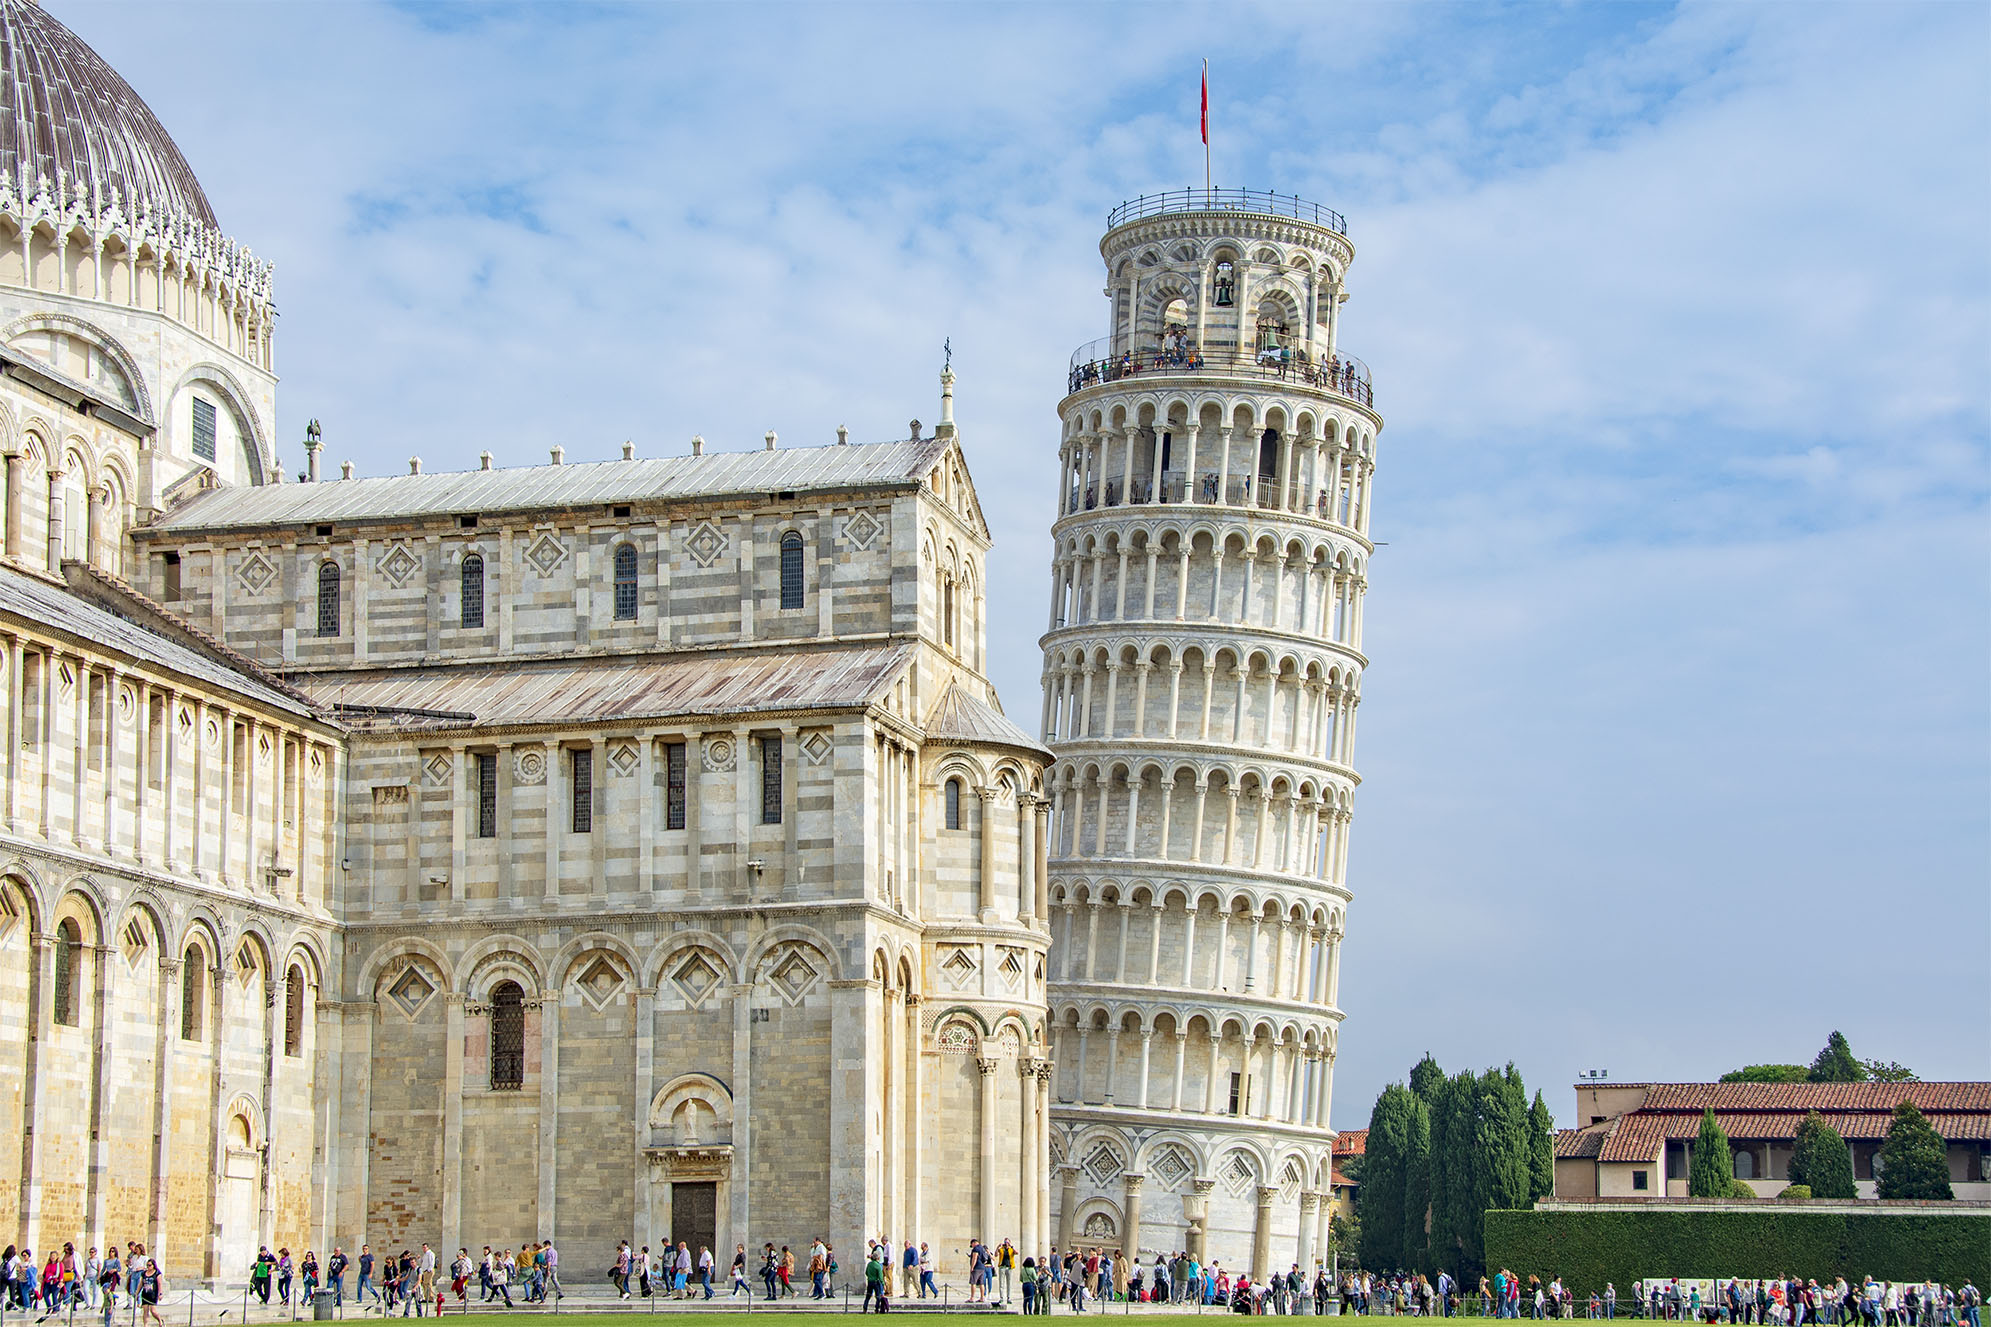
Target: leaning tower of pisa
1202 671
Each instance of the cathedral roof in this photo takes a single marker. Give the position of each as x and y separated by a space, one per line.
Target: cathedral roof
960 717
68 114
615 689
755 474
59 610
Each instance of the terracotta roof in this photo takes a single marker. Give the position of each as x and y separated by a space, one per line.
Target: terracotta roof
1351 1142
1585 1143
612 689
1341 1181
1817 1096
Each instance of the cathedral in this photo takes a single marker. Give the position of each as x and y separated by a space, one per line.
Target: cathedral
639 849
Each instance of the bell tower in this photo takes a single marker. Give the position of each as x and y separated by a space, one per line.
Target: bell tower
1202 670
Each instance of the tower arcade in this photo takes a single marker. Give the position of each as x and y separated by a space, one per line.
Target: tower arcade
1202 670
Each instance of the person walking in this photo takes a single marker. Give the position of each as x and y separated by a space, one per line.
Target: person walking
874 1280
740 1286
926 1286
705 1270
770 1271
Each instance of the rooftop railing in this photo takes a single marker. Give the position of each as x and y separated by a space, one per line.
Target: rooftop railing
1098 361
1227 200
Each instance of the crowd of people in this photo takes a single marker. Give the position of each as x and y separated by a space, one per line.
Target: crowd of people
1177 354
1788 1302
89 1281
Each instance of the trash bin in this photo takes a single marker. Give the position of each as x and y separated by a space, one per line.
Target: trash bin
321 1306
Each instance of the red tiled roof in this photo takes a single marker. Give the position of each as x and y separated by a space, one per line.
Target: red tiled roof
1341 1181
1639 1135
1974 1098
1351 1142
1587 1143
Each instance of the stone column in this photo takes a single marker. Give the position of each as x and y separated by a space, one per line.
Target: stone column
452 1118
1309 1212
1261 1238
1027 1173
16 503
1196 1210
1067 1202
1181 1051
1132 1246
985 828
55 522
549 1099
987 1066
162 1088
1040 1187
646 1021
1041 810
1147 1045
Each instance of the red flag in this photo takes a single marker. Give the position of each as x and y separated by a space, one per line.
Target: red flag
1206 103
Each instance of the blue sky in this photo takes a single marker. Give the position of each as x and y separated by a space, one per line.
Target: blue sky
1676 735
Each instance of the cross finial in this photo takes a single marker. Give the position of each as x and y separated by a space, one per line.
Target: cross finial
948 347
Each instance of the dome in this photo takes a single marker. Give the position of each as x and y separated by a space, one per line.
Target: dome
67 111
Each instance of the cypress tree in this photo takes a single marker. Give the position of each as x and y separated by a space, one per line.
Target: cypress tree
1835 1063
1541 1150
1913 1161
1417 1187
1712 1170
1820 1160
1379 1202
1426 1078
1451 1167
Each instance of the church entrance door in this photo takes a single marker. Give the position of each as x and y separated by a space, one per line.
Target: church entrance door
694 1219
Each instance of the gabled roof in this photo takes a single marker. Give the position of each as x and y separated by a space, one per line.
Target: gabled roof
163 642
1351 1142
1802 1097
960 717
608 689
755 474
1860 1112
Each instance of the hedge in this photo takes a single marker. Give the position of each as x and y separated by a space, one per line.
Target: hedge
1587 1249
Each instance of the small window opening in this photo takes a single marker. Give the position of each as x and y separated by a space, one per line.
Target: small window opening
328 599
625 583
487 794
473 591
170 591
584 789
953 798
507 1037
770 780
466 522
323 531
674 792
293 1012
68 952
193 978
619 511
1237 1094
791 570
204 429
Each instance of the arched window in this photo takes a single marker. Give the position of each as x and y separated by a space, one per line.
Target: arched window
68 951
1268 454
625 583
1745 1164
953 797
947 611
473 591
507 1037
328 599
791 570
293 1012
193 982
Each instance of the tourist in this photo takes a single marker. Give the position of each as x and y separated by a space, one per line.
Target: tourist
909 1270
740 1274
681 1271
787 1271
459 1278
1005 1267
926 1285
705 1270
501 1275
819 1267
770 1271
308 1269
874 1280
151 1284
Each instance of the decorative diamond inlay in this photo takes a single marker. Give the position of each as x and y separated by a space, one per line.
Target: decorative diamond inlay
1102 1163
546 554
959 968
696 977
623 759
600 982
794 977
438 770
861 529
1289 1184
1238 1176
1169 1167
397 564
257 573
816 748
705 544
411 992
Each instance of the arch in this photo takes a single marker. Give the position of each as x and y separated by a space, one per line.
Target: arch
112 349
581 946
328 598
392 954
951 799
776 936
507 1036
478 969
663 958
230 388
696 1107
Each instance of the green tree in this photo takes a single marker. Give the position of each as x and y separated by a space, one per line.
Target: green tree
1887 1071
1379 1202
1741 1189
1425 1078
1417 1188
1451 1180
1541 1150
1820 1159
1768 1073
1712 1169
1835 1063
1913 1161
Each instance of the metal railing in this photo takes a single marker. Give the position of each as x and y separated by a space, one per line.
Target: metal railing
1100 361
1260 201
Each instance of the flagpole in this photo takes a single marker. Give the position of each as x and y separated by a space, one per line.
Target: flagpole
1206 128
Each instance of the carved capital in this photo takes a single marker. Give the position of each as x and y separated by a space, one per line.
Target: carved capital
987 1065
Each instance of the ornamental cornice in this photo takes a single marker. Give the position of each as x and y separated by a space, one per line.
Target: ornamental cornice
1237 1127
1212 378
1209 756
1311 1014
1240 225
1160 874
1156 631
1192 513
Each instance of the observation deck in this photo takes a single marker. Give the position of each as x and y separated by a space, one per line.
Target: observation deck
1110 359
1260 201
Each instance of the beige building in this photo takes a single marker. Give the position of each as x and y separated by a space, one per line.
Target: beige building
1637 1139
624 850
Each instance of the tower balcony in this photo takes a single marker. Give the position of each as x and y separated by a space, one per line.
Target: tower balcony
1111 360
1259 201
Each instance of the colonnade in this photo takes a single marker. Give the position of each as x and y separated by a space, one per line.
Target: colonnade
1205 1065
1267 706
1277 953
1219 465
